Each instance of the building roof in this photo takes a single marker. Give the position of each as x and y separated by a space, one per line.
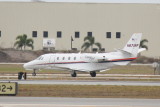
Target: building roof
92 1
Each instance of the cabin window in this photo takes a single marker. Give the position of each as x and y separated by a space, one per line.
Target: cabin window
40 58
57 58
69 58
63 58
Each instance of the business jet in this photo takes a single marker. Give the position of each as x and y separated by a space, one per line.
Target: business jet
87 62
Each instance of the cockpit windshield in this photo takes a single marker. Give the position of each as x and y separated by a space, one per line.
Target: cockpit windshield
40 58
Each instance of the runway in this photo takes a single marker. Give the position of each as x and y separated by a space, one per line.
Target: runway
84 76
86 82
72 102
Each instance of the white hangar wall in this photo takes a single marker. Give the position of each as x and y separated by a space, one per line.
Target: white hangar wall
25 17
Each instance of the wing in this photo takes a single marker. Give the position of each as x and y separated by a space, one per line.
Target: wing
86 67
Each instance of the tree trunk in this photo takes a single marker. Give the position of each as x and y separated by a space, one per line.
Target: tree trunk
24 47
91 48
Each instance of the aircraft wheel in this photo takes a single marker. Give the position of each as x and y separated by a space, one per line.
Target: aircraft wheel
74 74
33 74
93 74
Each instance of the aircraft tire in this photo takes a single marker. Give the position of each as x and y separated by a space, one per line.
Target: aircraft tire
74 74
93 74
25 75
20 74
33 74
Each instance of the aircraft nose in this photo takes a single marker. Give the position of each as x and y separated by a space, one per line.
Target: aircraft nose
25 65
29 65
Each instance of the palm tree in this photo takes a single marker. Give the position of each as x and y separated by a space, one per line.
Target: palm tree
89 42
23 41
142 44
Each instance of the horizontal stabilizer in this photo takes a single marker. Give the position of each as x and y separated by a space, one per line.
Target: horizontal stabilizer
141 49
124 52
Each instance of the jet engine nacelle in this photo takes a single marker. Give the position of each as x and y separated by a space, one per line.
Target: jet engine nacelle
94 58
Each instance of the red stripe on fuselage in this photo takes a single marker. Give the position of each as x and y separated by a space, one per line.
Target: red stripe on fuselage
122 59
85 62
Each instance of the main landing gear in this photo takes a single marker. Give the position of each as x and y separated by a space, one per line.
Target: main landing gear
34 73
93 74
73 74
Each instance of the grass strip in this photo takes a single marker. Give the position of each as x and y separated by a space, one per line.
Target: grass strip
89 91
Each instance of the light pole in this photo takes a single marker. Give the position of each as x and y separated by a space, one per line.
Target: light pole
71 42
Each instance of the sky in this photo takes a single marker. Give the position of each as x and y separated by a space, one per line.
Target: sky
95 1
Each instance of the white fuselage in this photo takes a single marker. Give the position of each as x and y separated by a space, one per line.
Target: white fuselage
78 61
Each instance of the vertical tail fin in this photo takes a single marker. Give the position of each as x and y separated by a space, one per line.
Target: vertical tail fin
132 45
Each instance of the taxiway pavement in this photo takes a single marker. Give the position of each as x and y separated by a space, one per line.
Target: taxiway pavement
87 102
86 82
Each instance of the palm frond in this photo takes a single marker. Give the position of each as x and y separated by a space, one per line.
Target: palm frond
24 36
86 48
92 40
18 44
29 41
22 41
19 37
98 45
87 38
30 45
144 46
86 45
89 42
143 42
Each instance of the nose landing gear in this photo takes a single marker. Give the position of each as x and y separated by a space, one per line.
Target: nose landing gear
34 73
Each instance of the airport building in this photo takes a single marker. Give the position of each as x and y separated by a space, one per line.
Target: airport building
54 23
